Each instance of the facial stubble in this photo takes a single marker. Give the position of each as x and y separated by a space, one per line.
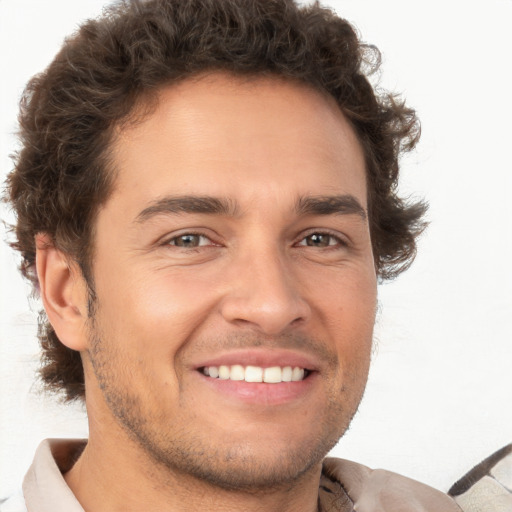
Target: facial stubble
186 450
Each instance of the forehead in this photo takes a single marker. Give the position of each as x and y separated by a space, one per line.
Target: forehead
225 135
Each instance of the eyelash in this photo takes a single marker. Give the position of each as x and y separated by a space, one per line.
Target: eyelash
189 234
339 241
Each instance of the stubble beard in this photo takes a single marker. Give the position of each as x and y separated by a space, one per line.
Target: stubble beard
182 452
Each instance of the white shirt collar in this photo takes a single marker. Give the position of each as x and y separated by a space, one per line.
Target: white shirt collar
44 487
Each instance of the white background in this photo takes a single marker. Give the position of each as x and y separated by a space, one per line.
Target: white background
439 395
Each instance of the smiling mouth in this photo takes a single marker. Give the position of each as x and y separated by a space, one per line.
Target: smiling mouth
271 375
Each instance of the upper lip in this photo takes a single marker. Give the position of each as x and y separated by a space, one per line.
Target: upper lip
265 358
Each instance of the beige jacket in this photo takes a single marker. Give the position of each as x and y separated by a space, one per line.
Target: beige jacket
354 487
344 487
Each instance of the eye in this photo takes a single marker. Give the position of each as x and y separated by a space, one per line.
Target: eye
321 240
189 241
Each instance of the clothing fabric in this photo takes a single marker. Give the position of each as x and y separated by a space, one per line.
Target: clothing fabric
488 486
344 486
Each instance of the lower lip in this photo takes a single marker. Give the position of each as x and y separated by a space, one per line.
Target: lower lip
261 392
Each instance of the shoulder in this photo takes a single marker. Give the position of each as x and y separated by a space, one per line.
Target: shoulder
488 486
377 490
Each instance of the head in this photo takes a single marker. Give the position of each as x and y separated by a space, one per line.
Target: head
119 94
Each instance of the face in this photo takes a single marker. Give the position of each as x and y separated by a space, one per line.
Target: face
235 282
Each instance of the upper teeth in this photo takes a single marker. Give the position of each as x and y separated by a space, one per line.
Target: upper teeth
272 375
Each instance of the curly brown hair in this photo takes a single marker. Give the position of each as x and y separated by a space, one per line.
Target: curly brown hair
68 112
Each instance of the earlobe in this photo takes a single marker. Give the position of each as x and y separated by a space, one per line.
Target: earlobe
63 292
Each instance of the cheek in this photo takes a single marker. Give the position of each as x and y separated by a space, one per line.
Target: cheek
153 312
345 299
346 311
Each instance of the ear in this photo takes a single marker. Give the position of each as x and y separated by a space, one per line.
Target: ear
63 292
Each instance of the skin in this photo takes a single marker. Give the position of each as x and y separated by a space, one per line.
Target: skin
264 281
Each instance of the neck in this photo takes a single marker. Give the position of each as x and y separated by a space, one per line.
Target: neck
114 474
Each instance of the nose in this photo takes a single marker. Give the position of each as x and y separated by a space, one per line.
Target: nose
264 295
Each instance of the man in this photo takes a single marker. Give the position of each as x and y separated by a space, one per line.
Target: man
205 200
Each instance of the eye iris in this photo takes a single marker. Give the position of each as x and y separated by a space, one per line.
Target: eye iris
187 241
318 240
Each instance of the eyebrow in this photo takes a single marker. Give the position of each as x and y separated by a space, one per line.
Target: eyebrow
330 205
188 204
305 205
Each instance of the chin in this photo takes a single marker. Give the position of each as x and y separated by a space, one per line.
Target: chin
263 463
